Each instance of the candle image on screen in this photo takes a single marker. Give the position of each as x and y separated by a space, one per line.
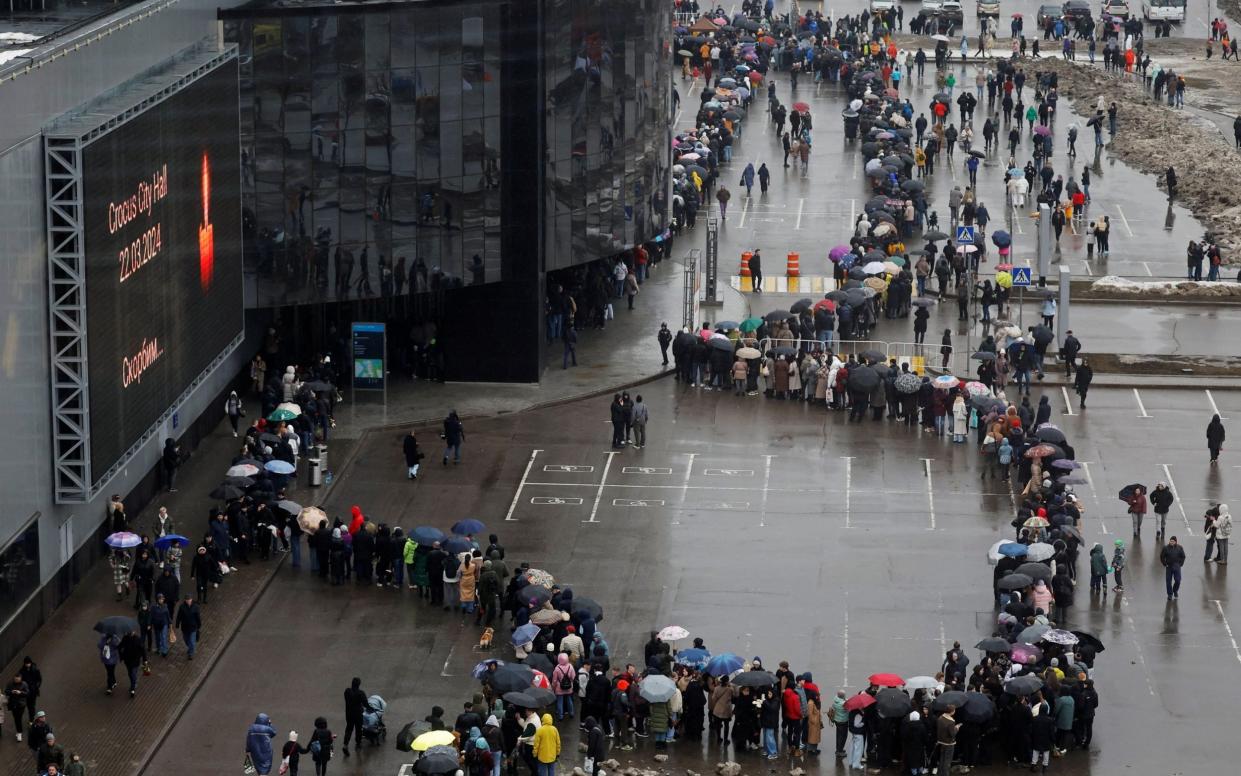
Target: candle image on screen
206 241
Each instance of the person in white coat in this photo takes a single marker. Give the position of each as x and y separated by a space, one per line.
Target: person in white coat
960 419
1223 531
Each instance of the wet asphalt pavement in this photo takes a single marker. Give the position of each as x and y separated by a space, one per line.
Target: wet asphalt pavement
767 528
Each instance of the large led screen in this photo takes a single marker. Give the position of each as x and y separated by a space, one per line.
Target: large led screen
163 257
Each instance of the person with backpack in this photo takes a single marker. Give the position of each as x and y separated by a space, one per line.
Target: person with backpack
321 746
564 685
451 577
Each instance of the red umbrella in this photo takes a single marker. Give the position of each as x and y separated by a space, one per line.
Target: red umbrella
1040 451
886 680
859 701
801 107
754 76
825 304
540 680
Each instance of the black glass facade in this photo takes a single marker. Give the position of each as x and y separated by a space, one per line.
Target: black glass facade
607 98
461 149
372 143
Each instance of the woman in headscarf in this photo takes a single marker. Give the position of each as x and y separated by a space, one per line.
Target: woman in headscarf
1215 438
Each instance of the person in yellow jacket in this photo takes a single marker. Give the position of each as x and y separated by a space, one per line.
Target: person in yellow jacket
547 746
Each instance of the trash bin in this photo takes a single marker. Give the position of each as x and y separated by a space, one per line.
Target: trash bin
320 451
314 469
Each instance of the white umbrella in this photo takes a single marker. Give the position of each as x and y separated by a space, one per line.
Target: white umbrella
673 633
1039 551
921 683
242 470
873 268
289 406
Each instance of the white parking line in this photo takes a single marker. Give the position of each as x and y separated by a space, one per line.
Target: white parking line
1167 473
1094 494
1085 265
1133 631
1141 406
689 470
602 483
762 515
1124 220
930 493
801 206
744 210
521 485
1214 408
852 214
845 646
1148 270
444 670
1068 405
848 459
1220 608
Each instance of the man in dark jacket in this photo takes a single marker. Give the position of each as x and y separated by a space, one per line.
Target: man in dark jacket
1161 501
1068 351
50 753
1172 556
132 654
617 410
435 573
596 745
189 622
363 556
913 742
355 704
171 461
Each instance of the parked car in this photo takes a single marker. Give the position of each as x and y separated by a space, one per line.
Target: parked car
1116 8
1048 13
989 8
1077 9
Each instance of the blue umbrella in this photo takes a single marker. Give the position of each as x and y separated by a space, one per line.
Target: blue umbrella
468 526
481 669
279 467
1001 238
693 657
724 664
163 542
525 633
457 545
425 534
1013 550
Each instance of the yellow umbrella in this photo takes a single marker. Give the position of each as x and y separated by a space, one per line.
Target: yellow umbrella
1004 279
875 283
434 738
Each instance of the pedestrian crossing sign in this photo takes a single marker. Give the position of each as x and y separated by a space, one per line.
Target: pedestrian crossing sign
1021 276
965 235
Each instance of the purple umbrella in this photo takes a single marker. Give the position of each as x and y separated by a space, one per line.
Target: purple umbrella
839 252
1042 130
1026 654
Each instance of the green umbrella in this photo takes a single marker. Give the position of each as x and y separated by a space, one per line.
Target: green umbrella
280 415
897 260
751 324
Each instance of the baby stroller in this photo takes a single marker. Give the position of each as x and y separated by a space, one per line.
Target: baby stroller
373 729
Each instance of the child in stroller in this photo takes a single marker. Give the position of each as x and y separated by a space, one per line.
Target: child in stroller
373 729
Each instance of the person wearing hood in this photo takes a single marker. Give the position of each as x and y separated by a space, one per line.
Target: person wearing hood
321 746
547 746
913 742
258 744
479 759
747 178
1098 569
171 461
336 556
1215 438
596 746
488 593
960 419
1223 532
412 455
1161 499
564 686
355 704
1043 413
291 754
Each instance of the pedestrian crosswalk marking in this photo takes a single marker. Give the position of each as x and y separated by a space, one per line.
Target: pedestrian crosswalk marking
781 284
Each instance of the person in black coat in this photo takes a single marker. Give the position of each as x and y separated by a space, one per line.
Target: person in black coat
355 704
1215 438
1043 413
694 701
363 559
1081 383
914 739
1042 736
435 573
133 654
596 744
171 461
321 544
412 455
618 421
321 746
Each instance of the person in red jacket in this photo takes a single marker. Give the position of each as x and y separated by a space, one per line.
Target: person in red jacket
793 703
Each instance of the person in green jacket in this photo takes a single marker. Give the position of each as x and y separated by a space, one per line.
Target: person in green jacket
1064 711
840 718
657 723
1098 570
409 552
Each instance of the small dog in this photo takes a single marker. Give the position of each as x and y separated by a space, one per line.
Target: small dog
485 641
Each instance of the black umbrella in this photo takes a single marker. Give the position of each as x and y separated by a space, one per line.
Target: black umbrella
270 439
1088 638
983 355
892 703
856 273
226 492
933 235
1023 685
589 606
1042 335
720 343
978 154
1129 491
837 296
405 738
754 679
913 185
437 760
521 699
777 315
117 626
314 386
951 698
873 355
541 696
923 301
801 304
863 379
1035 571
1014 582
511 677
784 350
1051 435
540 662
994 644
856 297
537 594
239 482
978 708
